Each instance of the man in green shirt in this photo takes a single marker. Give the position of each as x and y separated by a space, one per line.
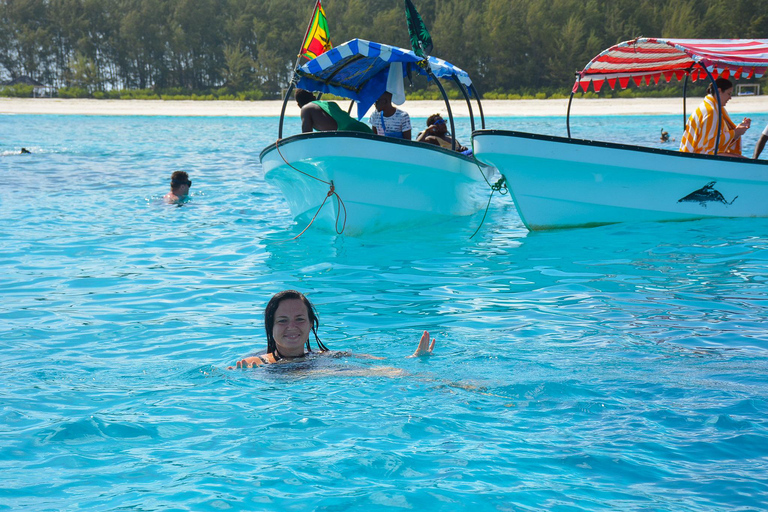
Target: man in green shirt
325 116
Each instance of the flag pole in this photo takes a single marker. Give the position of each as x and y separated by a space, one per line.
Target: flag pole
306 33
293 82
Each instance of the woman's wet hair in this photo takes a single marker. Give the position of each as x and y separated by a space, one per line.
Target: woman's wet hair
722 83
269 318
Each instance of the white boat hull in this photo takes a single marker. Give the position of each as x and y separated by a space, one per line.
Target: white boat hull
559 183
382 182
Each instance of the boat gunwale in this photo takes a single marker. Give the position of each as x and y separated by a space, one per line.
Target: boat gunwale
367 136
615 145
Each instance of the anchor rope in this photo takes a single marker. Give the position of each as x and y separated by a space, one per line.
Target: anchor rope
501 187
331 191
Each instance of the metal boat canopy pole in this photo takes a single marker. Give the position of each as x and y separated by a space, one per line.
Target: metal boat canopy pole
447 106
282 110
469 103
479 105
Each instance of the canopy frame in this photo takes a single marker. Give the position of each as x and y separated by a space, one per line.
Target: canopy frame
407 58
685 115
650 59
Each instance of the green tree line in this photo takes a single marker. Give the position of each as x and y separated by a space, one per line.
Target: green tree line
251 45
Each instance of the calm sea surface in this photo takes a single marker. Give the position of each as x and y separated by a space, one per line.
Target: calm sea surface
615 368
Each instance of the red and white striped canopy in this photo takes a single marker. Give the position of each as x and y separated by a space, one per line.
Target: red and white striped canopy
648 60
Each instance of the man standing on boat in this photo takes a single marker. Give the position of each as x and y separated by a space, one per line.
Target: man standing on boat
761 143
325 116
390 121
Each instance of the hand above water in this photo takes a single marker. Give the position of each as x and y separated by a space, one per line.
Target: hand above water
248 362
424 348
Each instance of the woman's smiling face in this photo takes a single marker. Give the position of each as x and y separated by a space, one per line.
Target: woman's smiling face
291 327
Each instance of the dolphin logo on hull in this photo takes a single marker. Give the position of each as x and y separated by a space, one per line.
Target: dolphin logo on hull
706 194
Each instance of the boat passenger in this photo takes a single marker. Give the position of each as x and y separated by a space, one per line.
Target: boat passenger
761 143
437 134
325 116
701 129
288 320
180 184
389 120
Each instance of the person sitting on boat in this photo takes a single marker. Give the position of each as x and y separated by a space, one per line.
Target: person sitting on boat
325 116
437 134
288 320
180 184
390 121
701 129
761 143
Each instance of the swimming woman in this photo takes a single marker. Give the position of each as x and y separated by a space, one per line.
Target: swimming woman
288 320
701 130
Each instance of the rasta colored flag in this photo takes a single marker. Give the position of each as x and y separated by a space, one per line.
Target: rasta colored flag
421 41
317 41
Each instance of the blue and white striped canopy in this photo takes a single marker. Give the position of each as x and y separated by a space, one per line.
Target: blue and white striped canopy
359 69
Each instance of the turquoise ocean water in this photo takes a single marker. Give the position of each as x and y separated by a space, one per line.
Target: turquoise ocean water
615 368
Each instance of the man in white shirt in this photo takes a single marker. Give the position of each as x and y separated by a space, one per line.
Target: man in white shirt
390 121
761 143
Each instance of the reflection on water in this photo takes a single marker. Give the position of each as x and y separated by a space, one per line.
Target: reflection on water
619 367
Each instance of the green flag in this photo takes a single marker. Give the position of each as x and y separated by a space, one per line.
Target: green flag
421 41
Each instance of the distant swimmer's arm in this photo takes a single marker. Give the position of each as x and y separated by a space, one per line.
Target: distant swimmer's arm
424 348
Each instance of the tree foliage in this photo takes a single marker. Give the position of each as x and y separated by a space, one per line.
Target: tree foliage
198 45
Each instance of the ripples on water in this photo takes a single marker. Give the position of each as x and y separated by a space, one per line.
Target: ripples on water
621 367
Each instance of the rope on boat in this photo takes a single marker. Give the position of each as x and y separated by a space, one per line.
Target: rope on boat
331 191
501 187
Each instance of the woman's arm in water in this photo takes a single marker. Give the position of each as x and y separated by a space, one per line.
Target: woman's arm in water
424 348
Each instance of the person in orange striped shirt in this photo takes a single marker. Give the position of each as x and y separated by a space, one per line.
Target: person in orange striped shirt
701 129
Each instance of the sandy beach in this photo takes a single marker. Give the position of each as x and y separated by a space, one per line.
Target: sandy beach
581 107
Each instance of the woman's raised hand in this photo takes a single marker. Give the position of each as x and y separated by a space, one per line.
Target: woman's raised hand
424 348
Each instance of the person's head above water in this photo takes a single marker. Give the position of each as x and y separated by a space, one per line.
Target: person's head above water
288 319
303 97
179 181
180 184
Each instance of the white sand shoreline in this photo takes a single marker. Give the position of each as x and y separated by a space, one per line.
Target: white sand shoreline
491 108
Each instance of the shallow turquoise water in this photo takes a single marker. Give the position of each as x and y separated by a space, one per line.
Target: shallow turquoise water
615 368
